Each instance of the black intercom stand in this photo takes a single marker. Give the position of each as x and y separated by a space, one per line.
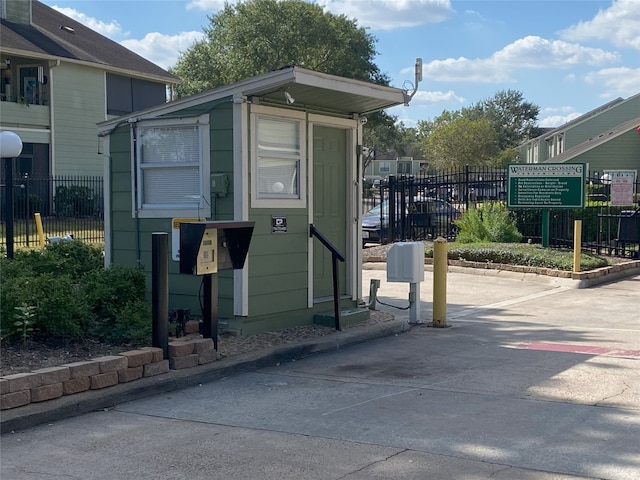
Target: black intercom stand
210 308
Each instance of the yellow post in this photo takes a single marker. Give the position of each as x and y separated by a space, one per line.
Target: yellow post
439 282
577 244
39 228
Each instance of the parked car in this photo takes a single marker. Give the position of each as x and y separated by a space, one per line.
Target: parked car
423 217
480 191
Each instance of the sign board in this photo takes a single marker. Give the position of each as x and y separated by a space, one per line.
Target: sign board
622 186
278 224
546 185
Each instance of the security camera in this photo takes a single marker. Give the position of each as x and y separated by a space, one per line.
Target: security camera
290 99
363 120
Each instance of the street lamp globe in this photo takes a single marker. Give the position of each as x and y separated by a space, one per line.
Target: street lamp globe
10 145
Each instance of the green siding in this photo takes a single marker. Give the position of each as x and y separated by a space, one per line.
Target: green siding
278 275
303 316
78 101
598 124
131 235
620 153
277 263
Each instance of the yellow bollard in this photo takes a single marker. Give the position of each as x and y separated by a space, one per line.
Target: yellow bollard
439 282
40 229
577 244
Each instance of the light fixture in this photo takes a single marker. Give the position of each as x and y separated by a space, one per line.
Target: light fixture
10 145
290 99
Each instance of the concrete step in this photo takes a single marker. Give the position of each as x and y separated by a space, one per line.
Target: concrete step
350 316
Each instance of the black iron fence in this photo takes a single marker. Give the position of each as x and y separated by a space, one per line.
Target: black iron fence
67 206
425 206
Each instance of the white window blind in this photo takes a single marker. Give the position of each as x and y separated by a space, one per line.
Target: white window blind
170 164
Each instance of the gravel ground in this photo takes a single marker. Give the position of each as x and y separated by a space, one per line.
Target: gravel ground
34 355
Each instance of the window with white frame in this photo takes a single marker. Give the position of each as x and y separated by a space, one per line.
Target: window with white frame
385 167
279 143
173 168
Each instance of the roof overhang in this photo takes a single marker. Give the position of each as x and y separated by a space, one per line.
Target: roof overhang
307 90
318 91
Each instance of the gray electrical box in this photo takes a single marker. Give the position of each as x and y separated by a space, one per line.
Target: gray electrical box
207 247
219 184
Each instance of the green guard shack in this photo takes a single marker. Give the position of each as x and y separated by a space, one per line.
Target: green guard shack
283 150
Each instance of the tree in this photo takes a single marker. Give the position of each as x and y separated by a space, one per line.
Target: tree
461 142
258 36
254 37
513 119
382 134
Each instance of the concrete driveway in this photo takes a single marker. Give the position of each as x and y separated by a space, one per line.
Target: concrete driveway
531 381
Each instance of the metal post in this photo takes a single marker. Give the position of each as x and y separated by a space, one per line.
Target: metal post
373 293
577 244
545 227
336 293
210 313
439 282
8 193
160 291
414 302
39 228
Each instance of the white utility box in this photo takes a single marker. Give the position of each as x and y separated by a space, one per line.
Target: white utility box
405 262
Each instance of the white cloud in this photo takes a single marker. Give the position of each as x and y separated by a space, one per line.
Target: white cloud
163 50
619 25
430 98
620 81
108 29
208 5
531 52
554 121
390 14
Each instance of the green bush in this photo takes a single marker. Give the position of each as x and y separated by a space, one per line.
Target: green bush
75 201
522 254
116 298
71 296
59 310
74 258
491 222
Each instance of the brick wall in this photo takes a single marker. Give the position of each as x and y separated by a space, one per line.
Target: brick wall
45 384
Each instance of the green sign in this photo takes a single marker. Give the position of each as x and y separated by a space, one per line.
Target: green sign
546 185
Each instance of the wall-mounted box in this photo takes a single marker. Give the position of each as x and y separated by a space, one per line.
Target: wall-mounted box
206 247
219 184
405 262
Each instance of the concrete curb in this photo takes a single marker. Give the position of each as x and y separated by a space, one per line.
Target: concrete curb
545 275
36 414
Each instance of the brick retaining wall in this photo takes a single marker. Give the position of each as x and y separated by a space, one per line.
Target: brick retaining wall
49 383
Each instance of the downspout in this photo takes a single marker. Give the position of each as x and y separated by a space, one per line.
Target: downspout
52 141
134 136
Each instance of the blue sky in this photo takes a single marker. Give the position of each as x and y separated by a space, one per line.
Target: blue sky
568 57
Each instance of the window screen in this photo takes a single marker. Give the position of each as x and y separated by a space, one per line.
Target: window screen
278 158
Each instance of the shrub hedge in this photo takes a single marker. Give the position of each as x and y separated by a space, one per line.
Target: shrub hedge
70 296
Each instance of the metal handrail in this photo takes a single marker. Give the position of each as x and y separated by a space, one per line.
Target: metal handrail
335 256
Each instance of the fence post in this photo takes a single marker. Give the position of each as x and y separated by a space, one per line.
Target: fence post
577 244
392 210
